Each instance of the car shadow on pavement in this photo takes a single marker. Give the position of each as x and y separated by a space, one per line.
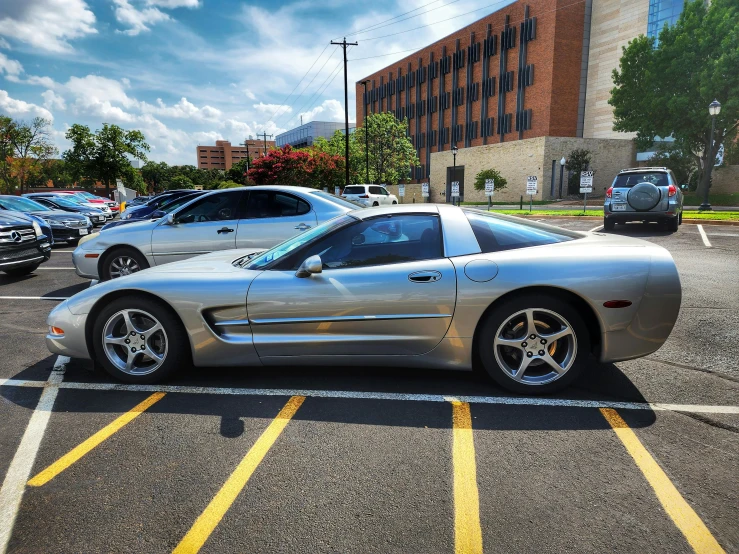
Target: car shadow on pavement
639 230
603 382
6 279
68 291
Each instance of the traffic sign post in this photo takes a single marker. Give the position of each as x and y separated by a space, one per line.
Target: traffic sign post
455 190
489 191
532 187
586 186
337 191
425 190
401 192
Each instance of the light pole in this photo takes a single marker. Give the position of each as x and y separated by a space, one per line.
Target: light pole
714 108
454 168
562 163
366 130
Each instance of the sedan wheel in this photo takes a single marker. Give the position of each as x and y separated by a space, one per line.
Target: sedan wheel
122 262
123 265
139 340
534 344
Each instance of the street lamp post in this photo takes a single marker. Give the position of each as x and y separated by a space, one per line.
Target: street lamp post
714 108
366 130
562 163
454 168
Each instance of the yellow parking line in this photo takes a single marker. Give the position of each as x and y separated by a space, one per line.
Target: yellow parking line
467 531
214 512
75 454
682 515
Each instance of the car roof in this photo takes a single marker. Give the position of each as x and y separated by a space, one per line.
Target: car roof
366 213
644 170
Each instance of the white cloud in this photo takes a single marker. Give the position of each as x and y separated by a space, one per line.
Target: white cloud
46 24
183 110
11 68
53 101
269 109
249 94
19 108
329 110
94 89
137 20
171 4
4 44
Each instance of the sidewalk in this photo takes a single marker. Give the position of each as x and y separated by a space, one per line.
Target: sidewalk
597 205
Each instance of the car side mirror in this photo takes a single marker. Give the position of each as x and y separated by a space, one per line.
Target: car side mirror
157 214
170 219
310 267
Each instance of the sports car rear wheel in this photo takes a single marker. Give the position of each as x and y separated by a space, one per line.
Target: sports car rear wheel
536 344
139 340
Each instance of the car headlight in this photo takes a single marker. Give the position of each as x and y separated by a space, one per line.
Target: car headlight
87 221
53 223
126 215
37 229
87 238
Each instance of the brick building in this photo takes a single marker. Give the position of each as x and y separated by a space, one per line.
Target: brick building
223 155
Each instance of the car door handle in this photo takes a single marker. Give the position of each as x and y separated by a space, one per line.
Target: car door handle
225 230
424 276
303 227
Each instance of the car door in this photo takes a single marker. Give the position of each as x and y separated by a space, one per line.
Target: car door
206 225
385 289
269 217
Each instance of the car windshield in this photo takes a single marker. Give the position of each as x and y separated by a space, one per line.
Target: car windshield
354 190
88 195
261 260
22 204
175 203
337 200
628 180
64 202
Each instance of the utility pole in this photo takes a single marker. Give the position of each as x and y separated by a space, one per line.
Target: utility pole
265 135
344 44
366 129
246 143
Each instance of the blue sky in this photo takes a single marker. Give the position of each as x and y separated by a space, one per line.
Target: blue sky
188 72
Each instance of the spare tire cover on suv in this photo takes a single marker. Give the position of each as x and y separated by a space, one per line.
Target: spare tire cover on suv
643 196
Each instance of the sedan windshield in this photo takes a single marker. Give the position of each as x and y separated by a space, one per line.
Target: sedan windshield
64 203
22 204
260 261
337 200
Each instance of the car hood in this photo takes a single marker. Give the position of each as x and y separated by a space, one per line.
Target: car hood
14 218
215 262
58 214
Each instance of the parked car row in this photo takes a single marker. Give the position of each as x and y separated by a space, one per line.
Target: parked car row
65 226
24 243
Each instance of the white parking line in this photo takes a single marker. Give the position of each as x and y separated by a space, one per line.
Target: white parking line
595 228
20 468
502 400
34 297
704 237
54 268
66 251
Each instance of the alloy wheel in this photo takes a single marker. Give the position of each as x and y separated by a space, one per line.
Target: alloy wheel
535 346
123 265
135 342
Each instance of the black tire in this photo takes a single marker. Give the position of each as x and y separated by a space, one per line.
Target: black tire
178 345
73 242
608 224
394 202
21 271
680 219
375 204
496 318
672 224
105 264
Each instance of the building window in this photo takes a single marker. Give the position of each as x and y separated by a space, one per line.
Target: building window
661 13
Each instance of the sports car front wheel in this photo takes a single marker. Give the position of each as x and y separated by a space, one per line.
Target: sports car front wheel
535 344
139 340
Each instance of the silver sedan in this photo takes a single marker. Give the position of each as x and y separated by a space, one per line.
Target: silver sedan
422 285
252 218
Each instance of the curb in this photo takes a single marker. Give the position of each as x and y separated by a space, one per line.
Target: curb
600 218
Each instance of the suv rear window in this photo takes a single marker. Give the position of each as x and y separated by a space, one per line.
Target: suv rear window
628 180
495 232
354 190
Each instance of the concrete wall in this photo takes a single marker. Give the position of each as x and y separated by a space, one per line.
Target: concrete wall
725 179
517 160
613 24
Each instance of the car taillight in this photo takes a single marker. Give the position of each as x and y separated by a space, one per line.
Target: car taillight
364 195
609 192
671 190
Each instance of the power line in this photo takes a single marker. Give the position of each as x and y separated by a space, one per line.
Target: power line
390 54
322 87
396 17
406 18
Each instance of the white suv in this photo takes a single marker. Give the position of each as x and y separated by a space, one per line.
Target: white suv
369 195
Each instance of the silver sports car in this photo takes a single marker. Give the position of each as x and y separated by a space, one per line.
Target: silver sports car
419 285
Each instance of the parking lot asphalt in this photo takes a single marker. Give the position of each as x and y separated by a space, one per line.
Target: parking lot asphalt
638 456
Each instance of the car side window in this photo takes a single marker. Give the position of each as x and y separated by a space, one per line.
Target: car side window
384 191
495 233
265 203
213 207
375 190
378 241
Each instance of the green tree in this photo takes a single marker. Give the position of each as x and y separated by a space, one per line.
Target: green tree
7 129
105 155
480 178
663 88
578 160
229 185
156 175
683 164
25 149
391 154
237 173
336 146
133 180
180 182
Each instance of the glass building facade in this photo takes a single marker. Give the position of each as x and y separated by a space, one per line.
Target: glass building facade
662 12
303 136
